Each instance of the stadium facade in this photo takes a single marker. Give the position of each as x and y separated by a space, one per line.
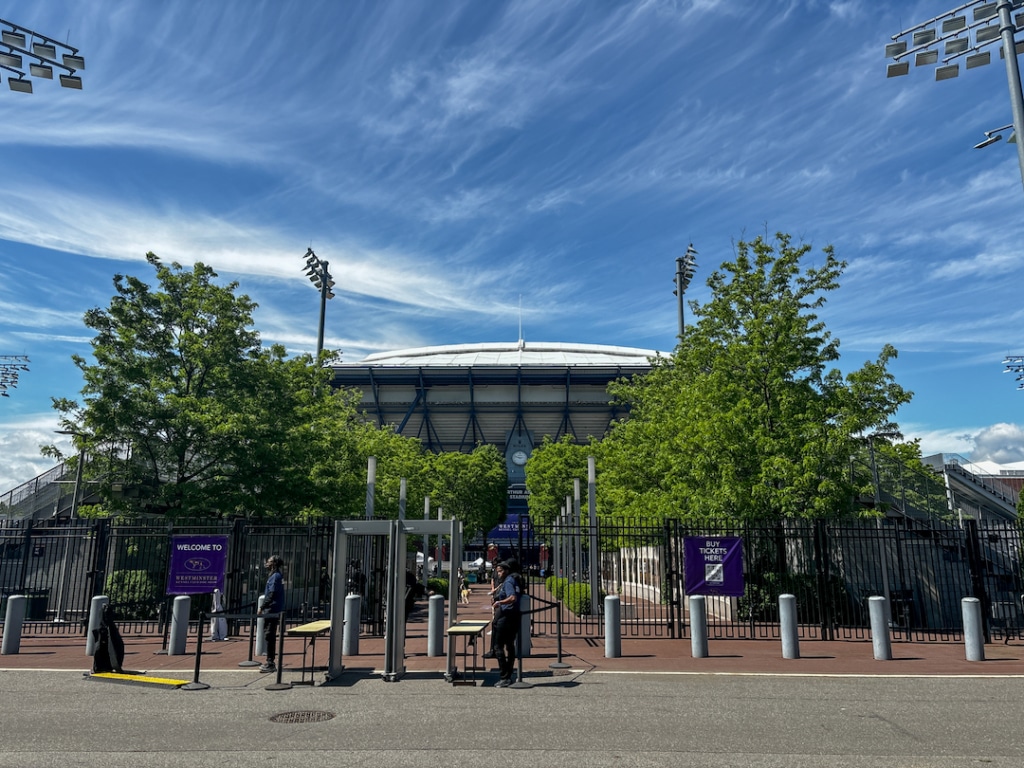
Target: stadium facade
510 395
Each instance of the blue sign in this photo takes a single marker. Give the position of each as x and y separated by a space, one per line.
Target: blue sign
508 531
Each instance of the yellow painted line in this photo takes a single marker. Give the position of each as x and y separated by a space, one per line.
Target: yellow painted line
115 677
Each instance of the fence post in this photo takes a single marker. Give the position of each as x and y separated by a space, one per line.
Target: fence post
698 627
15 617
826 615
878 608
788 627
975 568
974 643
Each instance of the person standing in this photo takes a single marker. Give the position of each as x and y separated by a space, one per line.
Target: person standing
273 603
506 623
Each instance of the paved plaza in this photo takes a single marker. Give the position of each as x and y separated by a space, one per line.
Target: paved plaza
655 705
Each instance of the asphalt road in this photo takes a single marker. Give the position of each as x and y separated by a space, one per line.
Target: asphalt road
580 719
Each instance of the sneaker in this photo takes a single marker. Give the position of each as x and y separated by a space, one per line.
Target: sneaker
268 667
488 655
503 683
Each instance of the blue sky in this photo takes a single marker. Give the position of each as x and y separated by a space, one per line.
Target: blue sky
448 158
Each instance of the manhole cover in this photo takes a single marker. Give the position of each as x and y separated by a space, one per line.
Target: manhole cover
302 717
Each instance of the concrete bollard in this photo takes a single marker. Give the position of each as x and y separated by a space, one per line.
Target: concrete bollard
435 625
95 620
14 618
612 628
261 623
974 629
698 627
179 626
878 609
788 627
350 638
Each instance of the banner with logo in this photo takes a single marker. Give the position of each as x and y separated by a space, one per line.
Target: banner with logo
713 565
199 564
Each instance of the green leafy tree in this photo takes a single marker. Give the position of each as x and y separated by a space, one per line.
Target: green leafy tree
471 487
550 471
747 421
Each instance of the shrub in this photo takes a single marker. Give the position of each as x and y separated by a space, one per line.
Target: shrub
133 594
438 586
556 586
577 598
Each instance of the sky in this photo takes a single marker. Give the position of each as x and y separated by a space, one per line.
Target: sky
467 166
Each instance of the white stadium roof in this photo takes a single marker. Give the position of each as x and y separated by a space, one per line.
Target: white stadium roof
512 354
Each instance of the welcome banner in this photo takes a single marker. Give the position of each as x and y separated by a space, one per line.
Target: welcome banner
199 564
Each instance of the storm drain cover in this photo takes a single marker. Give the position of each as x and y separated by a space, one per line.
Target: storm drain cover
312 716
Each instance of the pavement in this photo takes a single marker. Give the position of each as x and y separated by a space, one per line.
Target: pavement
654 705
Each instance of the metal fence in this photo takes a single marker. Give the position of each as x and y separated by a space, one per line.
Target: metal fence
924 569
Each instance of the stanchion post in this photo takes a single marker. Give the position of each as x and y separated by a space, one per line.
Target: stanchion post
278 685
251 662
558 625
195 685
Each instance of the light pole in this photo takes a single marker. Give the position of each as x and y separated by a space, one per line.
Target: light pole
1015 364
685 266
10 367
991 22
320 277
40 50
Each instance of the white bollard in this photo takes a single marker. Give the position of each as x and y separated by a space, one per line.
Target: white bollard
878 609
179 626
698 627
350 636
14 618
261 639
974 630
612 628
435 625
95 620
788 627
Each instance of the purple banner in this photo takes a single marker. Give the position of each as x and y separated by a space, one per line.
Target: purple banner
198 564
713 565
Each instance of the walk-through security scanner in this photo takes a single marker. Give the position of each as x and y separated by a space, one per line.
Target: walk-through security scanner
397 532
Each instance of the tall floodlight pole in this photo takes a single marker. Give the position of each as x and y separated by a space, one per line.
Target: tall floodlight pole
685 266
991 21
320 277
10 367
19 44
1015 364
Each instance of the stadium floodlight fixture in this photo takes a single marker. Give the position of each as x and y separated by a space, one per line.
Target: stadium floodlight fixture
41 52
960 34
319 275
10 367
996 135
1015 364
686 266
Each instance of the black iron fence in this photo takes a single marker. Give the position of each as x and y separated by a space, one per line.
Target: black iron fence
833 568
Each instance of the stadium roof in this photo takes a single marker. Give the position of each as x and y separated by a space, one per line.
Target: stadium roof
506 354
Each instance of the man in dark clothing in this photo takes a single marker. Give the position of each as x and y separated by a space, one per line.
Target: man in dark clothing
506 623
273 603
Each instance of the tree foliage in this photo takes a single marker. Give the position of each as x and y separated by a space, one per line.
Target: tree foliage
747 420
184 413
550 472
471 487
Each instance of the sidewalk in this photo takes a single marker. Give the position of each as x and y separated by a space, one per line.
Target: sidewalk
647 655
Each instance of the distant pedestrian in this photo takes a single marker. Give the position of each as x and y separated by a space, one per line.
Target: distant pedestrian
273 603
506 623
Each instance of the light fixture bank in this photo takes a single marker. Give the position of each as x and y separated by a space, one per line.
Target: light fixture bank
19 45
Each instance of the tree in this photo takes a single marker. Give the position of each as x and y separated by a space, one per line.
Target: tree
747 421
184 413
471 487
550 472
